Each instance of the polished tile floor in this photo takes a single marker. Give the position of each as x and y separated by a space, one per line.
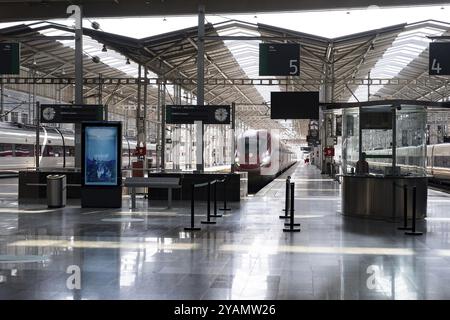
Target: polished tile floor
146 254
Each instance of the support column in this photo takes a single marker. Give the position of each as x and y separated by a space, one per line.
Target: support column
2 101
200 85
140 120
161 132
77 14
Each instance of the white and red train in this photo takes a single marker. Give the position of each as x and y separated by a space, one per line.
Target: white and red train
262 155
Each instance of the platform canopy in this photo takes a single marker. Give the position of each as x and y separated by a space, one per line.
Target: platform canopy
14 10
396 58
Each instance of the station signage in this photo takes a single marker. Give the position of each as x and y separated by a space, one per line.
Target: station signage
9 58
439 59
69 113
279 59
328 152
187 114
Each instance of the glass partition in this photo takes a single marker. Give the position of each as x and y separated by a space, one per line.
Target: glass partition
350 139
368 133
411 140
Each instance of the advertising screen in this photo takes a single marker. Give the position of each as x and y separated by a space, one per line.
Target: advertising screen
101 155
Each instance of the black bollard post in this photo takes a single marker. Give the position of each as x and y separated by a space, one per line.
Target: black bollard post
225 195
405 209
208 210
413 232
215 215
291 224
286 201
192 228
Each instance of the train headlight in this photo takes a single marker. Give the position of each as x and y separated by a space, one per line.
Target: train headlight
236 159
265 161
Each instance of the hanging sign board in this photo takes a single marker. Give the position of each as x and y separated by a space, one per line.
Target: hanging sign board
186 114
279 59
69 113
9 58
439 59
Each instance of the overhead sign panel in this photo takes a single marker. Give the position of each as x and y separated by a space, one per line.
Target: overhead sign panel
183 114
294 105
9 58
439 59
279 59
69 113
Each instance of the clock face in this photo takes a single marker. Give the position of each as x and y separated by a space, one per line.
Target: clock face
221 114
48 113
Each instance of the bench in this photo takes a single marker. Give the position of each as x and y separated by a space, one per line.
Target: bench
168 183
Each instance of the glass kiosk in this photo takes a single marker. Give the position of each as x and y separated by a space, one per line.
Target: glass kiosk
390 136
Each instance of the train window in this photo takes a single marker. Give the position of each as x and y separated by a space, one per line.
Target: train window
6 150
57 151
70 151
14 117
24 118
24 150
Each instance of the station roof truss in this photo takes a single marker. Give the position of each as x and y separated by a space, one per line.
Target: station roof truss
396 58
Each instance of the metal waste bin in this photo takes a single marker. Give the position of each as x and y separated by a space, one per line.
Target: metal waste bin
56 190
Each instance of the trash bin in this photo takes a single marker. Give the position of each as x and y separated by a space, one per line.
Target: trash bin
56 191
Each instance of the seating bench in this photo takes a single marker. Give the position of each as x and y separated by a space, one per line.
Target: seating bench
168 183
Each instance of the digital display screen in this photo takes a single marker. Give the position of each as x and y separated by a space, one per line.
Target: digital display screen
376 120
101 155
294 105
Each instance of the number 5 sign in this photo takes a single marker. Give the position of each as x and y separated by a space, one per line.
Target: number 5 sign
439 58
279 59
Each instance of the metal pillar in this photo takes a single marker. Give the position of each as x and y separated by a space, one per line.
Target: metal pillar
233 136
77 14
161 136
2 101
200 84
140 120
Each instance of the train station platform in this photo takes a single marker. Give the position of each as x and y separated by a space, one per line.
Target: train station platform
146 254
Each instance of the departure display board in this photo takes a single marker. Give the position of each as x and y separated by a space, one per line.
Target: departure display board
279 59
184 114
439 58
294 105
69 113
9 58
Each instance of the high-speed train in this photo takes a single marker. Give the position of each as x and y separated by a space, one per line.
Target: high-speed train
57 148
262 155
408 161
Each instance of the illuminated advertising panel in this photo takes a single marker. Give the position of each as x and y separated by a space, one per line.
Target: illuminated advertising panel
101 154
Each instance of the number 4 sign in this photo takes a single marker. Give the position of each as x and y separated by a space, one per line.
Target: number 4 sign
439 58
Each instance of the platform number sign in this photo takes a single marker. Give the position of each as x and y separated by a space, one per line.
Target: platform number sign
279 59
9 58
439 58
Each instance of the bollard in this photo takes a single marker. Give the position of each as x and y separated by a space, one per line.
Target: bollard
208 210
286 201
215 215
225 195
292 224
413 232
192 228
405 209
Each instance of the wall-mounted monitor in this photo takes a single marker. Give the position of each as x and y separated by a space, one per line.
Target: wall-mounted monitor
101 154
294 105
